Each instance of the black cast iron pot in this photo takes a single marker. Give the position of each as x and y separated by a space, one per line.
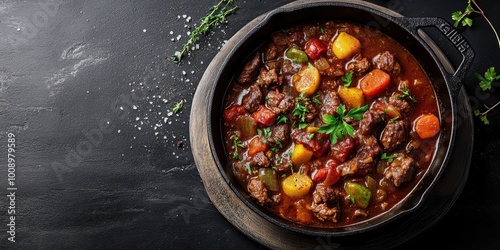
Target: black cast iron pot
404 30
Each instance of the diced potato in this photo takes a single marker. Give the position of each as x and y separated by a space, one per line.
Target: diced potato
352 97
296 185
345 45
307 80
301 155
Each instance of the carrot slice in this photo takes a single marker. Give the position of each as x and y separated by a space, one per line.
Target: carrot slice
427 126
256 145
374 83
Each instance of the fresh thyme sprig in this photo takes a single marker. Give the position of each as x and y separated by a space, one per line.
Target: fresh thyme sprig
464 17
217 15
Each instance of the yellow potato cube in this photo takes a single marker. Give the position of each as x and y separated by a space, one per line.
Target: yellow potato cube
301 155
352 97
296 185
345 45
307 80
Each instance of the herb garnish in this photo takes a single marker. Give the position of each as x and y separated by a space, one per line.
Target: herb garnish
178 107
489 77
389 158
237 144
347 79
406 93
282 119
266 133
464 17
214 18
300 110
337 127
249 168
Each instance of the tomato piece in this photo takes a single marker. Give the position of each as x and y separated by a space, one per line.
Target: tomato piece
315 48
256 145
264 116
320 175
374 83
333 175
341 150
232 112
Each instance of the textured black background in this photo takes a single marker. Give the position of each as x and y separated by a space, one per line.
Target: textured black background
87 88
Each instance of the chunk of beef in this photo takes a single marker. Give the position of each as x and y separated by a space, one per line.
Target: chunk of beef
260 160
259 192
279 102
358 65
266 77
324 206
329 84
394 134
364 161
386 62
250 71
279 135
331 101
312 112
400 170
318 145
370 121
251 101
271 52
402 105
341 150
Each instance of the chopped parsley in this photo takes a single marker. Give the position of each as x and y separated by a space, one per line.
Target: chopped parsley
347 79
406 93
237 144
389 158
337 127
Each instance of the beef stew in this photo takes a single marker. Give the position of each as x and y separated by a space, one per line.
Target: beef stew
330 124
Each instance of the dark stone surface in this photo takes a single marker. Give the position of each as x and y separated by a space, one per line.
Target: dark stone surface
88 90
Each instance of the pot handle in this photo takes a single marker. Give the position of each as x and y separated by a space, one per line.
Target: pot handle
457 78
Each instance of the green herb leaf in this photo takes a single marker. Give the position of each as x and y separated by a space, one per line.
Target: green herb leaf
300 111
489 77
237 144
178 107
249 168
282 119
347 79
406 93
337 127
389 158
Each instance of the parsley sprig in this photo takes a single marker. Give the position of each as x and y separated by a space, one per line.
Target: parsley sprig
465 20
217 16
406 93
337 126
485 83
300 111
347 79
237 144
389 158
489 77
